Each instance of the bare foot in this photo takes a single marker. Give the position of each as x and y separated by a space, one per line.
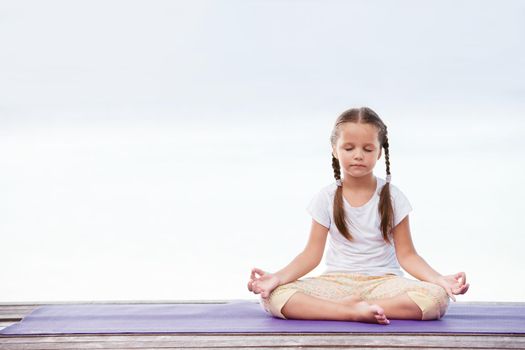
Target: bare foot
362 311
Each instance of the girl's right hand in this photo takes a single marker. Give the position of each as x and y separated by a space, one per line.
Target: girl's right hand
263 284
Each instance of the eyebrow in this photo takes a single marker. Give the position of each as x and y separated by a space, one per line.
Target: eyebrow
350 143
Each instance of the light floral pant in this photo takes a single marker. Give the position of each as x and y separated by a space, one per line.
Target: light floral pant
431 298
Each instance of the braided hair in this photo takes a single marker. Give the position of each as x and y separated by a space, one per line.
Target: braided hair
363 115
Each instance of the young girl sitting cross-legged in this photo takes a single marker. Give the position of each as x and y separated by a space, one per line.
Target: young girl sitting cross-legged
366 221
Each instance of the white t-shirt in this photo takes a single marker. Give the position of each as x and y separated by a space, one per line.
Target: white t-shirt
368 253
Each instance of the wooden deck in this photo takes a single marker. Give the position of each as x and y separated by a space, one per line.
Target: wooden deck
14 312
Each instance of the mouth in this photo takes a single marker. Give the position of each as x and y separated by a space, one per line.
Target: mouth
362 166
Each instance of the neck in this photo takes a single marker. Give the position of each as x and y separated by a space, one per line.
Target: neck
368 181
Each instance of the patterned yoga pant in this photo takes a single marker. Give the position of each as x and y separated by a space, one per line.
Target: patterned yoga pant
431 298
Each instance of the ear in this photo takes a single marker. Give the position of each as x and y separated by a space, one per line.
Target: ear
380 152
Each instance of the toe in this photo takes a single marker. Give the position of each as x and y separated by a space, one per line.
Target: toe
382 321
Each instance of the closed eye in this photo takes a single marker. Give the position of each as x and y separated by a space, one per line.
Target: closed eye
366 150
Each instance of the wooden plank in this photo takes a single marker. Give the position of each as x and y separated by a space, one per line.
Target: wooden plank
261 340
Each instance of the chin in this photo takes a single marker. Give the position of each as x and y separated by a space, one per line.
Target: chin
358 175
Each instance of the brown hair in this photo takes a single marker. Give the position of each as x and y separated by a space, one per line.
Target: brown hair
363 115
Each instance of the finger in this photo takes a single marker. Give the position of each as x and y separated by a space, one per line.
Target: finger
250 286
253 272
462 289
456 276
456 289
450 294
462 276
259 271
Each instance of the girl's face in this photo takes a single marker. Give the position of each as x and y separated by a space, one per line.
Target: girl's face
357 149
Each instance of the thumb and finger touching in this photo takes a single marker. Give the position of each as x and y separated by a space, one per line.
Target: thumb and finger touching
258 271
461 276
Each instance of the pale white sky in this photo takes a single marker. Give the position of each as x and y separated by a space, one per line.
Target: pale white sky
160 150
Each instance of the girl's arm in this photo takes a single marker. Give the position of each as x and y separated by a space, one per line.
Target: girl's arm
309 258
407 256
417 267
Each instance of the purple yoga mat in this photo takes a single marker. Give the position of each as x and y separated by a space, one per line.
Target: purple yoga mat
248 316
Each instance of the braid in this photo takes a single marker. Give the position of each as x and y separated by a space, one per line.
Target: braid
387 154
386 210
336 167
338 208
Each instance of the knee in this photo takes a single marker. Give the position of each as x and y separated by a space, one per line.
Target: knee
276 300
441 299
432 300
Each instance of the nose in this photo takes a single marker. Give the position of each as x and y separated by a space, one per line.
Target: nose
358 155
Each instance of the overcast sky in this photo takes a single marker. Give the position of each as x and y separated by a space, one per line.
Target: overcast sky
145 144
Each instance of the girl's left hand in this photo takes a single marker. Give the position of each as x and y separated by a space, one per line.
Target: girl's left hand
453 284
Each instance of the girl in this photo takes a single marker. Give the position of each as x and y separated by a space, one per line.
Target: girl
366 218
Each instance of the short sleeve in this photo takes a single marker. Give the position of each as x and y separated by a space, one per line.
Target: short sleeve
319 208
401 206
